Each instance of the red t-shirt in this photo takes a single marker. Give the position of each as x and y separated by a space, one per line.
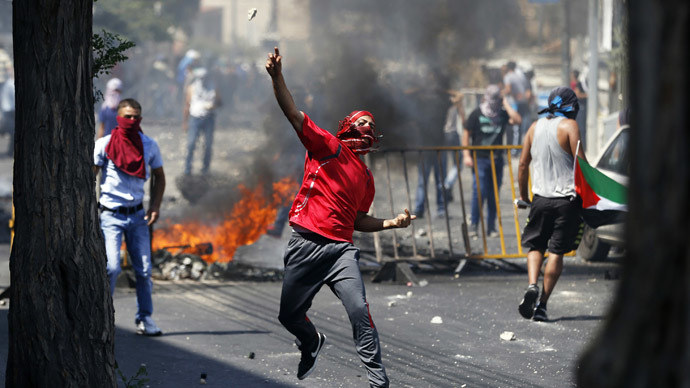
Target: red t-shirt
336 185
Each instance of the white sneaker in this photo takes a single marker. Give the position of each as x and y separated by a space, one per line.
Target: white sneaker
473 232
148 329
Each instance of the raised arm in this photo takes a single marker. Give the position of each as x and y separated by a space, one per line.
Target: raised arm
287 104
515 117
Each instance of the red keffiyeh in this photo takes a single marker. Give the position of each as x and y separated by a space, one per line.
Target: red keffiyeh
360 139
125 147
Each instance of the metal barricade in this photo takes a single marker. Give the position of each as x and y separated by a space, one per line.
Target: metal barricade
455 218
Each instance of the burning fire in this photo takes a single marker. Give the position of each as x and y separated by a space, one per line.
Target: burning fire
247 221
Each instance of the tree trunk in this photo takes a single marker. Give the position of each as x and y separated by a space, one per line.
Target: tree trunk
645 341
61 319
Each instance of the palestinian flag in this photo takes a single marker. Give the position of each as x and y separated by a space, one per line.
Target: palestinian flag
604 201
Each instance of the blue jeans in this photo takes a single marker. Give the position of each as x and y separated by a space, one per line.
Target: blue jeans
197 126
452 139
136 234
486 184
424 167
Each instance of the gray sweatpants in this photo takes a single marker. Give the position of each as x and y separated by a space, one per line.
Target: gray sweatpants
311 261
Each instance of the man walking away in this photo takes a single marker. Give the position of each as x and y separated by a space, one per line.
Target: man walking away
554 218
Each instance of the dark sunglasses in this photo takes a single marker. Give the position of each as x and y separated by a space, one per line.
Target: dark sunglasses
132 117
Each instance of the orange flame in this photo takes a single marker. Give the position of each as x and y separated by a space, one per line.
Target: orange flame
243 225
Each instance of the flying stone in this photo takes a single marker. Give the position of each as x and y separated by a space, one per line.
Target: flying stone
251 14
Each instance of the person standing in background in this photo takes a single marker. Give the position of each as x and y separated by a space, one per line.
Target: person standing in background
202 99
455 120
428 120
485 127
7 105
107 116
518 90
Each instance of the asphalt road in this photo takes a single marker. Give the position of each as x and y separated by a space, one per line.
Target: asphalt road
216 327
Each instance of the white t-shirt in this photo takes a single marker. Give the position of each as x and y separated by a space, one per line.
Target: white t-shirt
117 187
202 99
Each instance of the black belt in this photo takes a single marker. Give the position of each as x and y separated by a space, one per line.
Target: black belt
123 209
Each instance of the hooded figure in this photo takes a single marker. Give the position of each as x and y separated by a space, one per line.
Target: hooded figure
107 116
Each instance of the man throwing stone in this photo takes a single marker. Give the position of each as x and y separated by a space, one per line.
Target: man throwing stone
336 193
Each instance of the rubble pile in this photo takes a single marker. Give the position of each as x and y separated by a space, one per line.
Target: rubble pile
190 266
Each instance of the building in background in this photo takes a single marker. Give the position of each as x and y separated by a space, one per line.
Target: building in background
227 22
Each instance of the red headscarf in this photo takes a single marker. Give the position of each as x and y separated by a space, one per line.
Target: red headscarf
125 147
360 139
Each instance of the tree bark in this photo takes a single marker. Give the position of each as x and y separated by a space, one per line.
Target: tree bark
645 341
61 319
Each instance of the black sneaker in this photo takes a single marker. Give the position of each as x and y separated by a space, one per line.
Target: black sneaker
307 363
540 314
529 301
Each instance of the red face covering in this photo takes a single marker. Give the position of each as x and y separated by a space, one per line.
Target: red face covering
125 147
360 139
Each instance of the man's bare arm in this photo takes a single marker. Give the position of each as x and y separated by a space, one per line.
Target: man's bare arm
568 136
514 116
274 67
525 160
574 138
156 195
367 223
185 111
466 155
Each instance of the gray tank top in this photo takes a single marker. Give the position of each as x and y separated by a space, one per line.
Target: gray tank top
552 166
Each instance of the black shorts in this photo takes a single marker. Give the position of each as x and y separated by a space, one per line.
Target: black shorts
554 223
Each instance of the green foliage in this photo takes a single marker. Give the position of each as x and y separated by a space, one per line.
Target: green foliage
145 20
108 51
137 381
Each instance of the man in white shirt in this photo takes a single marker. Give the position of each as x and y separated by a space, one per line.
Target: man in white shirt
202 98
128 158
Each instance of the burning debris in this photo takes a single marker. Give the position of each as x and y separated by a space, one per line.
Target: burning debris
197 250
243 225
